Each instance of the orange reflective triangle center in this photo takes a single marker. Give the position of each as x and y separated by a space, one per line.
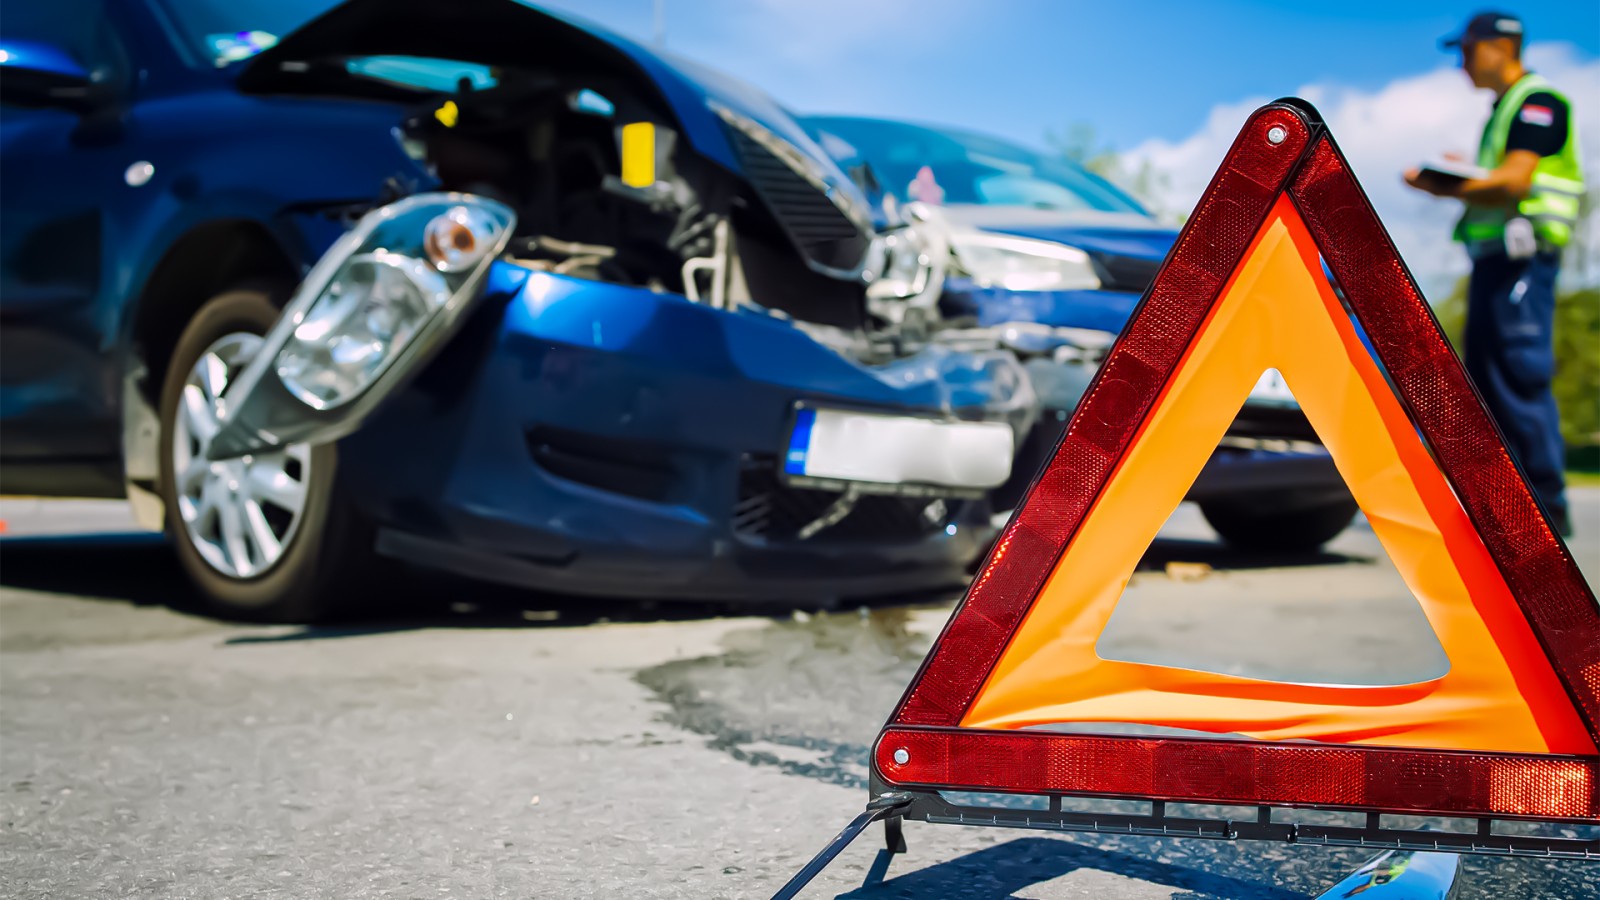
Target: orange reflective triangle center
1279 312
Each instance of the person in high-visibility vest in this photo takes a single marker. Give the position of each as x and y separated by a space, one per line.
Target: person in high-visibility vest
1520 213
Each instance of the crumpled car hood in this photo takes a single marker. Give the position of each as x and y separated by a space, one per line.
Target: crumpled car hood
509 33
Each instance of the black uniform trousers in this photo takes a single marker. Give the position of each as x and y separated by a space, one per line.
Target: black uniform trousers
1510 355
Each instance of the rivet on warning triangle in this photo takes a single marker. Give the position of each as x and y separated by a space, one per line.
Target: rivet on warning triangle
1509 732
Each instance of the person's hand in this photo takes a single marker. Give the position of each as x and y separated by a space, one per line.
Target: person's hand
1413 177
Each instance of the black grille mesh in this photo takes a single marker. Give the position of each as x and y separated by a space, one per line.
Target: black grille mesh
822 232
770 510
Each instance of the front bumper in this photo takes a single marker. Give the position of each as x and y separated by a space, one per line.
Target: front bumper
597 439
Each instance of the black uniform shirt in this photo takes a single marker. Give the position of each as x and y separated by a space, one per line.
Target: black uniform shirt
1540 126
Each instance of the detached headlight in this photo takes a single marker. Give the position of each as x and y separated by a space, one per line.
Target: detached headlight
1023 264
906 267
381 286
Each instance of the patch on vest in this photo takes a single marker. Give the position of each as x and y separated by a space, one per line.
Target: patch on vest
1537 115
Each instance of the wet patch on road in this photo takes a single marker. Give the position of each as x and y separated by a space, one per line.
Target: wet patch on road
804 695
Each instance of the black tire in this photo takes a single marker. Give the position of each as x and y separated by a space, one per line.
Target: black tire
1261 529
329 552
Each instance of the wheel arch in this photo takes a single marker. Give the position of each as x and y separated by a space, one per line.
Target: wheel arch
199 264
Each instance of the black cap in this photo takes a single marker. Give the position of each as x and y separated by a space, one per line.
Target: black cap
1485 26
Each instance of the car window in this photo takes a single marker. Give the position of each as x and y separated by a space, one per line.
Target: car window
429 74
917 162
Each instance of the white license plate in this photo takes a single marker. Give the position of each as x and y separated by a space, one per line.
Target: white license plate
1272 388
833 444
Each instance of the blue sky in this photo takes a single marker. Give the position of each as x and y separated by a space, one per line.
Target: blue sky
1136 71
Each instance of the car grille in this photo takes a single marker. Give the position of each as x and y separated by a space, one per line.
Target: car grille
823 233
1126 273
632 468
770 510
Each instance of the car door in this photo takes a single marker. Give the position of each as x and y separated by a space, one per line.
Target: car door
60 165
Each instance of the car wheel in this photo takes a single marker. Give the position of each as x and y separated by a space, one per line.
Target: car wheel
1258 528
264 537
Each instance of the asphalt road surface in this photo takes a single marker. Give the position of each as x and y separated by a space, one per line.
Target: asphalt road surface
487 744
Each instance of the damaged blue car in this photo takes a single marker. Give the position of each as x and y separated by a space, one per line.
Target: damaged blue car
477 288
1051 260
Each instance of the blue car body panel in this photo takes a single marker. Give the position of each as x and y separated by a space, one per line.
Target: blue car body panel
219 158
1100 310
1150 244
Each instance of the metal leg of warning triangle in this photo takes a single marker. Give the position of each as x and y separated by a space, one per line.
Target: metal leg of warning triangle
886 806
894 833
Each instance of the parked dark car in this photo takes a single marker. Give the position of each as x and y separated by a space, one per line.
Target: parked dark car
468 286
1053 259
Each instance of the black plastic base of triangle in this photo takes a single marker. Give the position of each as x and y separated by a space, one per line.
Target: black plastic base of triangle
1259 826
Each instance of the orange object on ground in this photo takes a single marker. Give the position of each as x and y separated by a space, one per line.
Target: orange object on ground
1508 731
1500 692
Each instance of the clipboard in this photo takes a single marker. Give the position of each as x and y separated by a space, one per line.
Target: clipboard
1453 170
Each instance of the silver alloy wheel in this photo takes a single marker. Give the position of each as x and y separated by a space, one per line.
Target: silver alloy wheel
240 513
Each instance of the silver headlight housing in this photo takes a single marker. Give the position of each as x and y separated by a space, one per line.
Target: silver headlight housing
399 269
380 302
1022 264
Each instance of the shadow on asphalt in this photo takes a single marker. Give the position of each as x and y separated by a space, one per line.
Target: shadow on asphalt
133 568
1001 871
139 569
1224 558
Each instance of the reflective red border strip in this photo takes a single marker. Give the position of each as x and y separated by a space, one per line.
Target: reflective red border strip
1383 779
1439 396
1122 394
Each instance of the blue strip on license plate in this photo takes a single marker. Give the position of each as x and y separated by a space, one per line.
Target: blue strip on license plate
794 462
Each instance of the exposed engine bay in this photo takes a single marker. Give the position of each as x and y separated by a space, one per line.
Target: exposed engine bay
605 190
601 192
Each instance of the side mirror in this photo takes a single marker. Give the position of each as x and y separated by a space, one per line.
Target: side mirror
36 74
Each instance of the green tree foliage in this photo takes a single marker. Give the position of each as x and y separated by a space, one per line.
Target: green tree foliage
1577 384
1577 379
1081 144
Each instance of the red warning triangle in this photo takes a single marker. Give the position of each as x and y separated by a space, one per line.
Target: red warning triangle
1509 731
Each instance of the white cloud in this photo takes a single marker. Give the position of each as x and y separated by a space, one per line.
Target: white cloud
1386 131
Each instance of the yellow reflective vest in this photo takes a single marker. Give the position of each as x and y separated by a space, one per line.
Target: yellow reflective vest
1552 202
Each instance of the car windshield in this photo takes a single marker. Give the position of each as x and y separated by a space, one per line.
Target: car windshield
952 166
219 32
